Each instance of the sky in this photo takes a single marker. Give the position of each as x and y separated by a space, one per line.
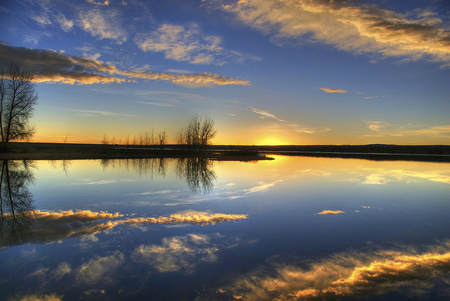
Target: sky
268 72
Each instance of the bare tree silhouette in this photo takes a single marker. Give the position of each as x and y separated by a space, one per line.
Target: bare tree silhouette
17 100
199 132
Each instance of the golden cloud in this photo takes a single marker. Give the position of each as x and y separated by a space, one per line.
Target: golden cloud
364 28
328 90
52 226
56 67
324 212
49 297
355 275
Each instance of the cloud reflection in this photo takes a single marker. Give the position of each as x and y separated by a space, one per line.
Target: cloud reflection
383 176
98 268
351 274
53 226
179 253
50 297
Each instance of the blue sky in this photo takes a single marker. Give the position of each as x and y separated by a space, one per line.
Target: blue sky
267 72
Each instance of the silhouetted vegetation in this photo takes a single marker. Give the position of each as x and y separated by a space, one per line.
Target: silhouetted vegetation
199 132
17 100
145 138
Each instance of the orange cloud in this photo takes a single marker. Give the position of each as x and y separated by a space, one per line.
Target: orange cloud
324 212
56 67
53 226
355 275
328 90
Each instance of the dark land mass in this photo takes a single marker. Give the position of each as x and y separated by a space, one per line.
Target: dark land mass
55 151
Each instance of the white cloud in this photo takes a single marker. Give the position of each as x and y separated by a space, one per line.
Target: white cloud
65 23
103 24
384 129
187 44
264 114
376 125
102 113
179 252
98 268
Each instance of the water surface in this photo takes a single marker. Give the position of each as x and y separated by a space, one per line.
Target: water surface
295 228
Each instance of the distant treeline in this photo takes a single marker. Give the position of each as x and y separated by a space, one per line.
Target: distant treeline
198 133
146 138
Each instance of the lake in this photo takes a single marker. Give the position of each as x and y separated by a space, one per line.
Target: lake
293 228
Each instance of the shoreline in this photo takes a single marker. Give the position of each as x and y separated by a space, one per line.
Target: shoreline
379 152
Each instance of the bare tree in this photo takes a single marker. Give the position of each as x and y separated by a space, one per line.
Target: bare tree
105 139
17 100
199 132
162 137
207 131
181 139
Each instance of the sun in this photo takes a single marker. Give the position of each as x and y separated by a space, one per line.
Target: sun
270 141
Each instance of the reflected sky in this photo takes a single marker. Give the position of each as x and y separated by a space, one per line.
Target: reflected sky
294 228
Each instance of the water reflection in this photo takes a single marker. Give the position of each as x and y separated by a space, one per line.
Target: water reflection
352 275
16 201
198 172
54 226
143 166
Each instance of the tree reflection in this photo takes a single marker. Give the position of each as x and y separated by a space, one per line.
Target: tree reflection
198 172
16 208
143 166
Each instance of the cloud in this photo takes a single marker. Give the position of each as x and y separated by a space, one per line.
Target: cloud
333 212
103 24
350 26
384 176
295 127
45 297
328 90
308 130
105 3
193 80
384 129
102 113
354 275
52 226
262 187
65 23
435 130
187 44
99 268
264 114
179 253
56 67
376 125
158 104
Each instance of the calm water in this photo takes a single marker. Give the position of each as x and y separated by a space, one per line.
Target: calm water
294 228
